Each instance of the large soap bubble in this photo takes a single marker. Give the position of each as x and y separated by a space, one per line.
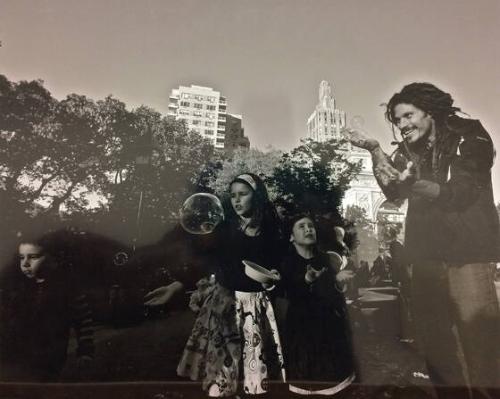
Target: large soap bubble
201 213
357 122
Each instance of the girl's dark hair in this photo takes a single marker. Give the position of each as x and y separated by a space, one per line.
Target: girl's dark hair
57 244
295 218
426 97
264 214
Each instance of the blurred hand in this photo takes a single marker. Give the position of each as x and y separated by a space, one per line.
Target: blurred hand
359 139
344 275
408 174
313 274
426 188
276 277
276 274
385 172
162 295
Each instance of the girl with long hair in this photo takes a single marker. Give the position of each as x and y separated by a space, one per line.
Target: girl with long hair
235 334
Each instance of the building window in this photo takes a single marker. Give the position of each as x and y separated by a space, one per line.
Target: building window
209 124
185 103
186 95
211 99
209 132
210 115
183 112
196 122
198 106
211 107
197 113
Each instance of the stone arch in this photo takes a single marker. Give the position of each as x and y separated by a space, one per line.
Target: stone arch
395 213
377 205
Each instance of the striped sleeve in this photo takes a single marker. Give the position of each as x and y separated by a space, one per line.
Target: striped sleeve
83 324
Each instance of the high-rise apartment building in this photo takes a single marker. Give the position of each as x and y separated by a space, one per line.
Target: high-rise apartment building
203 109
235 135
326 120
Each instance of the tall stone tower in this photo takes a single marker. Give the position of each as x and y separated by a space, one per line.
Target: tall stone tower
326 120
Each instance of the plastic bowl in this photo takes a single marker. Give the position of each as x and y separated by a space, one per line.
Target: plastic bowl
258 273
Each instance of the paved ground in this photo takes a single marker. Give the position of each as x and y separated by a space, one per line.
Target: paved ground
145 357
149 353
139 362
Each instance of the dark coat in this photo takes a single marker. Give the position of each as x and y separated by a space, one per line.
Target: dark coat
461 225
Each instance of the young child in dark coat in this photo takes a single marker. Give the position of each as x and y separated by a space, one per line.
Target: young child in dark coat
39 306
318 351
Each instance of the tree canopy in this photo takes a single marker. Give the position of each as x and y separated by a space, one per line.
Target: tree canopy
81 158
314 176
126 172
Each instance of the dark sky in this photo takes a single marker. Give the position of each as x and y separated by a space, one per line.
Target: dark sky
267 57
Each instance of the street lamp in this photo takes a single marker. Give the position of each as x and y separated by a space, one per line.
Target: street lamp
143 154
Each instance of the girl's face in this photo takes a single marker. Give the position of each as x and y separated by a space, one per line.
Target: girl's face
31 260
303 232
241 199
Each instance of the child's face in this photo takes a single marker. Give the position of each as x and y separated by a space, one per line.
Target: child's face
241 199
304 232
31 259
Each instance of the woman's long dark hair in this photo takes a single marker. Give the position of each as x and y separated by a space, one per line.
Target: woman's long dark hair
264 216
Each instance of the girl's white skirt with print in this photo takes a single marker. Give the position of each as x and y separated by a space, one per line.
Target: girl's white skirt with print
262 351
231 327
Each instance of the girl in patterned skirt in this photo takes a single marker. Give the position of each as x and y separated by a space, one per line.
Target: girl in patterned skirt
235 335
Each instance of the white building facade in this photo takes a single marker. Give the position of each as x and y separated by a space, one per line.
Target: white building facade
326 120
324 124
203 109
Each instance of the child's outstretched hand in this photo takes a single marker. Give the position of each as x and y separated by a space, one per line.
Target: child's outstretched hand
313 274
160 296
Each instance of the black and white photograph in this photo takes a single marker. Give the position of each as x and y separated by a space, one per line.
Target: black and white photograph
249 199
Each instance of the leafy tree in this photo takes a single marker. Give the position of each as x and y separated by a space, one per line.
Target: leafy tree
92 160
357 215
160 168
253 160
315 176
